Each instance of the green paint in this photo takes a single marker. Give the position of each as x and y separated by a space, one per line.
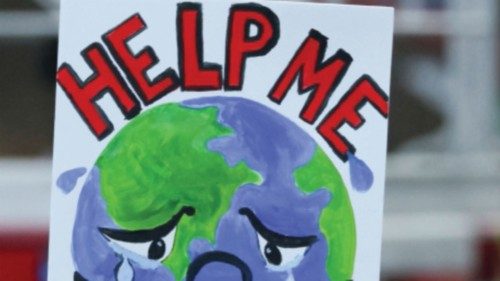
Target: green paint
159 163
337 219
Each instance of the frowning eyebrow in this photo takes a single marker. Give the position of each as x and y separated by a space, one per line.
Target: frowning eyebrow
146 235
276 238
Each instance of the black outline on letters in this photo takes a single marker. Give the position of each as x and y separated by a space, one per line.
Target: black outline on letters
82 84
181 7
341 54
148 50
275 23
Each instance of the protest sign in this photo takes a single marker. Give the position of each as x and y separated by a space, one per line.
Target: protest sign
219 140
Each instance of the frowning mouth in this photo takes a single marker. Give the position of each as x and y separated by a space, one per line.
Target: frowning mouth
221 257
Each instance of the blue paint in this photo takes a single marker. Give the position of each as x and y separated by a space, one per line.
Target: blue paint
67 180
198 247
94 258
361 174
275 147
269 144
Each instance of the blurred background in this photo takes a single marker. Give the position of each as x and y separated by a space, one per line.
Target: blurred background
442 204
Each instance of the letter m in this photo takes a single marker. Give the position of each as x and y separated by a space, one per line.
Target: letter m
315 75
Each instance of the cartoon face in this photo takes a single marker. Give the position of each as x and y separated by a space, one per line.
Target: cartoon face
213 189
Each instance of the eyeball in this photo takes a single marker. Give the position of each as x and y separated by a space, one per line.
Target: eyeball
156 249
280 258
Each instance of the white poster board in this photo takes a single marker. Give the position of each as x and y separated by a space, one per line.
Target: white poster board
219 140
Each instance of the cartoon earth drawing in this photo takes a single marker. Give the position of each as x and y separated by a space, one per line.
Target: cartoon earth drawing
213 189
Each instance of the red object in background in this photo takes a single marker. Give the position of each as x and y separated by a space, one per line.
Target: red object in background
23 256
488 257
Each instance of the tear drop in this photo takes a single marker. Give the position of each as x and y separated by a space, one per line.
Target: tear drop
125 271
67 180
361 174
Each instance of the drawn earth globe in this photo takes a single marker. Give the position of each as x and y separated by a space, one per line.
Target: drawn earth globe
213 189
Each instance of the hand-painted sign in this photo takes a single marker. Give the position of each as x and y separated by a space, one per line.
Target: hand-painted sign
206 141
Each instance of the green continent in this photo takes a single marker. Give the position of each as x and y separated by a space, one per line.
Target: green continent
337 218
159 163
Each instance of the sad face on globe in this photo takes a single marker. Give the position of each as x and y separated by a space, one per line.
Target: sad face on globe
213 189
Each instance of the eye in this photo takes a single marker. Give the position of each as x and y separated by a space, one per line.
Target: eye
280 258
153 244
281 252
157 249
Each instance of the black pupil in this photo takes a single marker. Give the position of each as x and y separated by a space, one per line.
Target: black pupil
156 250
272 254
